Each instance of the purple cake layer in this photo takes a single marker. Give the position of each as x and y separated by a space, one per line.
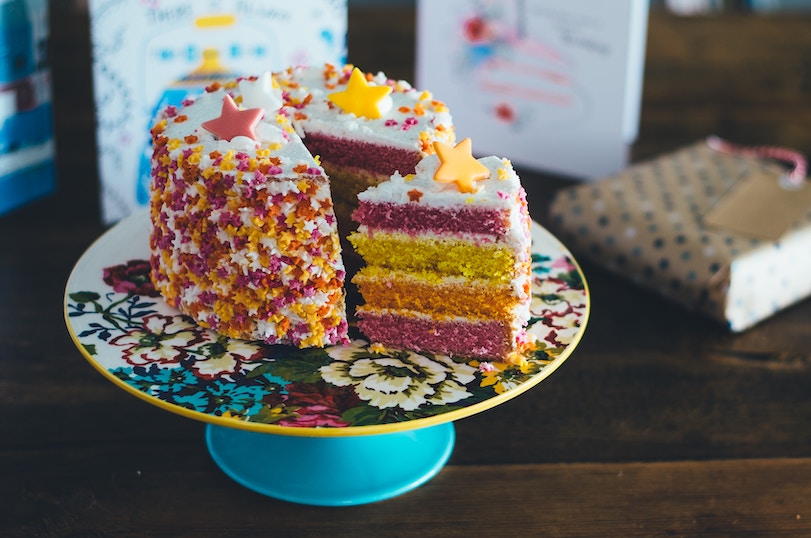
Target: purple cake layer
384 160
415 218
481 339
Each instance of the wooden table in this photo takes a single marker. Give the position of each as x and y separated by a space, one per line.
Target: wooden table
659 424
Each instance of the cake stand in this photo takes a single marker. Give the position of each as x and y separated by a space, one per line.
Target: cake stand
344 425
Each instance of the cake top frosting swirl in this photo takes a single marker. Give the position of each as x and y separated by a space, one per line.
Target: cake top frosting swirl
307 89
498 191
274 149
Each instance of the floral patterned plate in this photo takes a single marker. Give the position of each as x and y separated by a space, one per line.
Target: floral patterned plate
126 331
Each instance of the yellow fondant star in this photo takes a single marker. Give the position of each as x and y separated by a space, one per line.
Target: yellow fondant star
361 99
458 165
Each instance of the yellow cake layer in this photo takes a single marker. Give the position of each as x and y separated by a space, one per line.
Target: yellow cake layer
429 293
447 256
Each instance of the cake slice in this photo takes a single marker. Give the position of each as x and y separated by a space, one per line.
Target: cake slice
447 253
364 127
243 232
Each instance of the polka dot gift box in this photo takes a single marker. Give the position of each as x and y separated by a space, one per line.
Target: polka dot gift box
652 223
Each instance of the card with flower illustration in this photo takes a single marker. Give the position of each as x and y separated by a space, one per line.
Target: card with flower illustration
550 85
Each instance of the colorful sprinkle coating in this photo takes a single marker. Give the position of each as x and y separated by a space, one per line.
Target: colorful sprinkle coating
244 236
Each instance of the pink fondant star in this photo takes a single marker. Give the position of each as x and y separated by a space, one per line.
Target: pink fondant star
233 121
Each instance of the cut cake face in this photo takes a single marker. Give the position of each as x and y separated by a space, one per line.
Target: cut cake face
446 271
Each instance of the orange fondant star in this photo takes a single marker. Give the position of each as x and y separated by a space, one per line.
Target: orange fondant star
414 195
458 165
233 121
361 99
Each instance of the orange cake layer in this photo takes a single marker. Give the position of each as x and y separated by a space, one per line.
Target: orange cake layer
442 297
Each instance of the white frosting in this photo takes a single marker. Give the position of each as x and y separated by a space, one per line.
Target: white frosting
272 131
295 102
261 93
499 191
406 114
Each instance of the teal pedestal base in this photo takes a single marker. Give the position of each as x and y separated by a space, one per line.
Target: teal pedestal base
332 471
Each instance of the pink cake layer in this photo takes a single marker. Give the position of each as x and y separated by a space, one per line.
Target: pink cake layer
415 218
480 339
383 160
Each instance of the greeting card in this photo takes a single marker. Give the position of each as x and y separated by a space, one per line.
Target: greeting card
149 54
548 84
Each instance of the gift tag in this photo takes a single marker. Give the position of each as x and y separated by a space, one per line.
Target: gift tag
766 201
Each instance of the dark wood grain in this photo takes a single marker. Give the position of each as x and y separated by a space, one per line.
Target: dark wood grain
661 423
182 494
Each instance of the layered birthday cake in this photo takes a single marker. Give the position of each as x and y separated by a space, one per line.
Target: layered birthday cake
244 234
448 257
246 182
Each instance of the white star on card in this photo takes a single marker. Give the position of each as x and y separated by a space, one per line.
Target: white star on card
260 93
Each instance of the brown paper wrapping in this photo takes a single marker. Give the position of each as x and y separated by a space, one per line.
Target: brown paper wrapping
647 224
